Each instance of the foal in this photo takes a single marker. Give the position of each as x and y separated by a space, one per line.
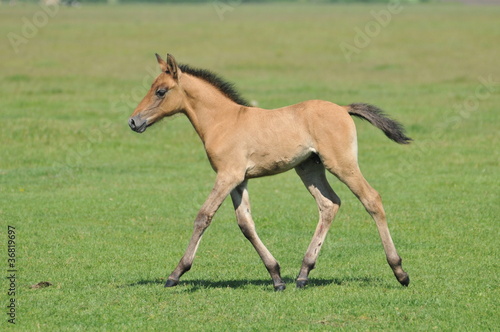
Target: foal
244 142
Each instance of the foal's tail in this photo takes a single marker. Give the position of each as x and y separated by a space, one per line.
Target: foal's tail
391 128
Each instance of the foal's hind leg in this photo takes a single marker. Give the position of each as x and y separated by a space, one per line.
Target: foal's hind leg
351 175
312 173
241 204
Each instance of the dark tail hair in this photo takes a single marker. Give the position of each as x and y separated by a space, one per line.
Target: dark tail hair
391 128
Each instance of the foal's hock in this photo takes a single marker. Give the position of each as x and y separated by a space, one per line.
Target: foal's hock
244 142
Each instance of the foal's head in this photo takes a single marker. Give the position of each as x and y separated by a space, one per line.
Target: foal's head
163 99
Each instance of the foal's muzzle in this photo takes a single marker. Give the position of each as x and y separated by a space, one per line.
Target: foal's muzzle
137 124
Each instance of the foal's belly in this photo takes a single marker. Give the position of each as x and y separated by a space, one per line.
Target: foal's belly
262 163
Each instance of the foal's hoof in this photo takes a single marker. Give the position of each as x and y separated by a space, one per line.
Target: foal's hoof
171 283
279 288
404 280
301 283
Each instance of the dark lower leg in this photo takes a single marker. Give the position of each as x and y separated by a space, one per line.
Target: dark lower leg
393 259
269 261
309 261
187 260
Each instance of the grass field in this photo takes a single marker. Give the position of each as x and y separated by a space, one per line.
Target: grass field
105 214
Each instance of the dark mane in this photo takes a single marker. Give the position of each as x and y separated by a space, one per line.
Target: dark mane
222 85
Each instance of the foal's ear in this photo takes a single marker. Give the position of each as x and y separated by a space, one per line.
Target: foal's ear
172 67
161 62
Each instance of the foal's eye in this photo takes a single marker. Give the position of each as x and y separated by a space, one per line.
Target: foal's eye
161 92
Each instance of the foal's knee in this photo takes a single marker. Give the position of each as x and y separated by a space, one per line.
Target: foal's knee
202 221
373 204
330 206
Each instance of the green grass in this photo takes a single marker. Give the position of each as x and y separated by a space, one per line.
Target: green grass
105 214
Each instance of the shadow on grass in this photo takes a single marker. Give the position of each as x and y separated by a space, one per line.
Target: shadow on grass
197 284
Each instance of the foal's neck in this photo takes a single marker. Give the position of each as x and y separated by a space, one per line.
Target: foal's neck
206 107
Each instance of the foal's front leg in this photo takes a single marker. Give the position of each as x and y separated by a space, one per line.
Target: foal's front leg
222 188
241 202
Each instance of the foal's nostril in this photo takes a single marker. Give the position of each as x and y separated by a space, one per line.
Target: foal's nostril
137 124
131 123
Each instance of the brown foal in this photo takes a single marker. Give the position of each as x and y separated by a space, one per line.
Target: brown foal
244 142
